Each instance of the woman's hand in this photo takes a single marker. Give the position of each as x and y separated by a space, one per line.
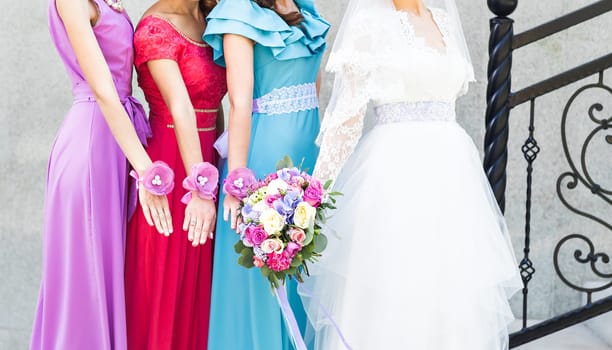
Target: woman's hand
156 211
231 206
200 219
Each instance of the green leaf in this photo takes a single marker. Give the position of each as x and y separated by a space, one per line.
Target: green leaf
273 280
247 252
265 271
320 243
309 237
239 246
246 261
327 184
286 162
296 262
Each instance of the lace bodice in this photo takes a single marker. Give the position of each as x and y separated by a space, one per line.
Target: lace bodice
405 70
157 38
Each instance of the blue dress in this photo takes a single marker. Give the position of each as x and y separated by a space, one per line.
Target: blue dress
244 312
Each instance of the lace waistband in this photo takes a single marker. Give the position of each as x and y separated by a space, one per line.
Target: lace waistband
415 112
289 99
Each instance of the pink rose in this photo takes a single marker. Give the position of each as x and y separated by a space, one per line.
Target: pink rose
292 249
314 193
297 235
258 262
255 234
279 262
271 198
272 245
271 177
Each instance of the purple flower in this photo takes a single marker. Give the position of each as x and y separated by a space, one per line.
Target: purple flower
282 208
260 253
238 182
249 213
292 248
203 180
287 204
158 178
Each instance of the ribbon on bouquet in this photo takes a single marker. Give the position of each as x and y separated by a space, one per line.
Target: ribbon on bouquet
294 329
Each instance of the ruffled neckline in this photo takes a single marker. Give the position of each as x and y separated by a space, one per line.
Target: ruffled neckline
270 30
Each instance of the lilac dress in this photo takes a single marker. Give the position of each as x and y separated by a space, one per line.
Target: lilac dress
81 302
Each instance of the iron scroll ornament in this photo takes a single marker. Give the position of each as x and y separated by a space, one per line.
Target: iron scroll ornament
582 176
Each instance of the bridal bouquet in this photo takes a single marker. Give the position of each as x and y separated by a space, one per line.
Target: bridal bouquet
281 222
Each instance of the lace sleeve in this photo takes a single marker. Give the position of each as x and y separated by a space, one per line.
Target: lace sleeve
156 39
342 124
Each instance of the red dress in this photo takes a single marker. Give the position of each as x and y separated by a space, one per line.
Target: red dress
167 280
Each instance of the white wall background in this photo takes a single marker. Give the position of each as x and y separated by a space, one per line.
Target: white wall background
34 95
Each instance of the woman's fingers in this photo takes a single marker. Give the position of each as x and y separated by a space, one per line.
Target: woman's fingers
146 213
235 218
156 220
167 215
226 212
191 225
197 232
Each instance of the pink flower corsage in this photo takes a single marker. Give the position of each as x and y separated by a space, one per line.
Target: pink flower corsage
157 179
238 182
203 180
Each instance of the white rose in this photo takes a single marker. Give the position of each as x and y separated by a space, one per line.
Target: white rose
260 206
304 215
272 221
276 186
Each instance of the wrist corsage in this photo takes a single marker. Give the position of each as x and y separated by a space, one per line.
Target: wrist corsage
238 182
203 180
157 179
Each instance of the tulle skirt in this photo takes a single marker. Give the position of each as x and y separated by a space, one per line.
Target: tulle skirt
419 256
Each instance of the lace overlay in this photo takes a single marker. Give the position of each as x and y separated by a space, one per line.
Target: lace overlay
288 99
338 141
392 66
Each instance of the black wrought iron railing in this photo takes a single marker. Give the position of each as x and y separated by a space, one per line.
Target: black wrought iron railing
500 101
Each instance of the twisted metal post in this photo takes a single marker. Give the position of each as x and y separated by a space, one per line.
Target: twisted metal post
498 96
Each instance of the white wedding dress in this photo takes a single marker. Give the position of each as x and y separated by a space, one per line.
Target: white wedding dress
418 256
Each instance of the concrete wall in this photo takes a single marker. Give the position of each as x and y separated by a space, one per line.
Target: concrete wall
34 94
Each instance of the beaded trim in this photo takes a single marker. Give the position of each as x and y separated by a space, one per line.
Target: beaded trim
115 5
171 126
288 99
423 111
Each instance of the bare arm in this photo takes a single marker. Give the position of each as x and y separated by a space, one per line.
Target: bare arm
238 52
76 18
200 214
75 15
169 80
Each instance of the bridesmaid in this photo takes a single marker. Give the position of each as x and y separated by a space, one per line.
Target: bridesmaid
272 50
168 278
81 303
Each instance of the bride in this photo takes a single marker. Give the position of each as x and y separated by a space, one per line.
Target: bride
421 258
